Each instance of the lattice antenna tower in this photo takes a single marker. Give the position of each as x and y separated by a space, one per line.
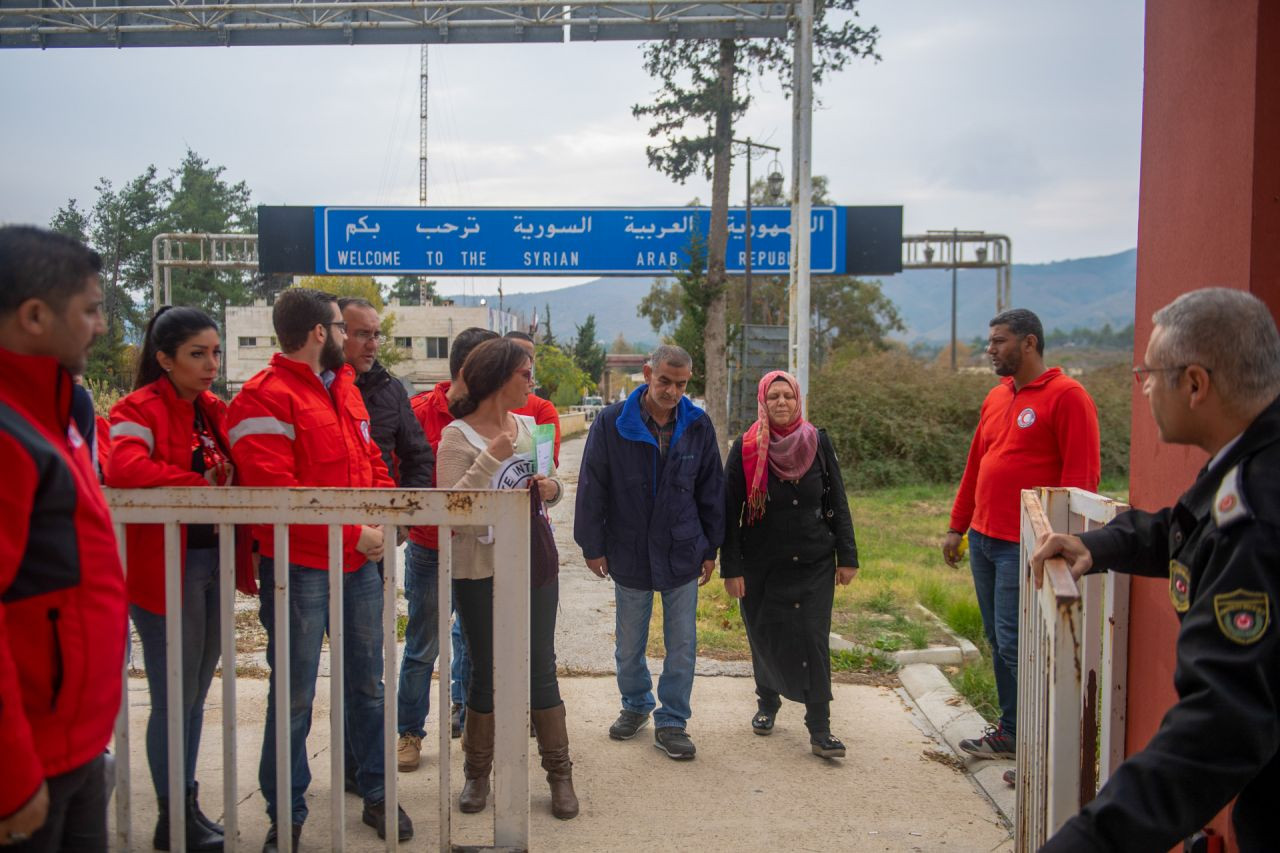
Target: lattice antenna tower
422 130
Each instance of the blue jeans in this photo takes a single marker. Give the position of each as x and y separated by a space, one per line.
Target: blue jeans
679 634
460 666
362 658
421 645
994 563
200 650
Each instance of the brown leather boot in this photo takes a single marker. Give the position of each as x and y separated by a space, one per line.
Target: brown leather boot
477 752
553 746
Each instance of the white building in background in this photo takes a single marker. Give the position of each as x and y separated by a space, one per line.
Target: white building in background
426 332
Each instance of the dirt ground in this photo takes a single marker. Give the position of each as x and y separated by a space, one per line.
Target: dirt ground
742 793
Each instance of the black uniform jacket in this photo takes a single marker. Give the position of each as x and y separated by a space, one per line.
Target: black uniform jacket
395 430
1219 546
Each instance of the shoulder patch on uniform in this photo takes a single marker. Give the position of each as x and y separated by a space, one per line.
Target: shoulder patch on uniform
1228 504
1243 615
1179 586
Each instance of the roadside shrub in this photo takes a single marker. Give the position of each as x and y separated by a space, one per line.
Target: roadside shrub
895 420
1112 390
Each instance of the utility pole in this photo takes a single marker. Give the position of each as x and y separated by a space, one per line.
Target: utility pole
422 154
775 188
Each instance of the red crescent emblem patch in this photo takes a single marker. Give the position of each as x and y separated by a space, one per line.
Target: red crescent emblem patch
1227 503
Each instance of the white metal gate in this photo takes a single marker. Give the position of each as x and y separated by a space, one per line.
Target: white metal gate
506 511
1072 659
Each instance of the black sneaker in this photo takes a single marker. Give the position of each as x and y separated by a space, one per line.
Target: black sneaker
826 745
994 743
674 742
375 815
273 839
627 724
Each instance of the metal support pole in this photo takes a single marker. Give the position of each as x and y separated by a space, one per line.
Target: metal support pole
801 194
954 273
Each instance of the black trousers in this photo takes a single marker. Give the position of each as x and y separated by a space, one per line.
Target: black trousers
77 819
473 600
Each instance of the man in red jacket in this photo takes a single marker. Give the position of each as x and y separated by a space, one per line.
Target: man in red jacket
542 411
302 422
1037 427
62 601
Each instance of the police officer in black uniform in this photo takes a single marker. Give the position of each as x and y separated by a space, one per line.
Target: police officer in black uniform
1211 375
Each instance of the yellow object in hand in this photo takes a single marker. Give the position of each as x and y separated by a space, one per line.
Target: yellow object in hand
964 546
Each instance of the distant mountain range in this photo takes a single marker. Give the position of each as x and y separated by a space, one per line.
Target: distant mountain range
1081 293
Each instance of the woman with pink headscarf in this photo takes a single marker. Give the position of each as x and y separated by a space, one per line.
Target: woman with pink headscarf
788 541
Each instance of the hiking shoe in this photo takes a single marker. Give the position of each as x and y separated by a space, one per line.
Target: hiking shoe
272 844
408 752
674 742
1010 778
375 815
456 718
826 745
627 724
994 743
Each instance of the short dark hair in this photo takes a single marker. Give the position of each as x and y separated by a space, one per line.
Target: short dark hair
359 301
297 311
467 340
40 264
1022 323
170 328
517 335
487 369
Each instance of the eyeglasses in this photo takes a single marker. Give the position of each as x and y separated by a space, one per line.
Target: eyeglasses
1141 371
342 326
364 336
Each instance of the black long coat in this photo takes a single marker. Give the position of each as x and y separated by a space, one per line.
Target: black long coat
788 560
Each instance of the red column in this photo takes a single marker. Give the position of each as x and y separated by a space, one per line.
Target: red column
1209 214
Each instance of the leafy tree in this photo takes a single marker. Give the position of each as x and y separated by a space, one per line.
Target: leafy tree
682 308
587 353
547 337
411 290
704 83
561 379
202 201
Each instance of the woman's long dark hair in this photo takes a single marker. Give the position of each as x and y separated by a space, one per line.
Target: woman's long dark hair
171 327
485 371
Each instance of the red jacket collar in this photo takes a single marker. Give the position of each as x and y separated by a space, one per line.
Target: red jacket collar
437 398
280 361
164 389
39 385
1040 381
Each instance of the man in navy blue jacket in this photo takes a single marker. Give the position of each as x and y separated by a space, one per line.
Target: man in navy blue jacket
650 514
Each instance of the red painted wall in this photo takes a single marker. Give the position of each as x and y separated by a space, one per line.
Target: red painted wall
1209 214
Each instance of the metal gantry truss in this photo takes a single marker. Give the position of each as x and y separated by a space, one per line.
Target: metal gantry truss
197 251
147 23
953 250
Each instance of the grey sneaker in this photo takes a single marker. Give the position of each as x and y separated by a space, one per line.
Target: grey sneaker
627 724
994 743
674 742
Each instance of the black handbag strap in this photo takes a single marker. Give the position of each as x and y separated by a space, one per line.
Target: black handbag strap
827 512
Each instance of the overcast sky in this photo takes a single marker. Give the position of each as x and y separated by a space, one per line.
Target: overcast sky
1003 115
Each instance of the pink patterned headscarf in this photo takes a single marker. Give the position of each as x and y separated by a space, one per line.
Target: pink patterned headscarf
787 451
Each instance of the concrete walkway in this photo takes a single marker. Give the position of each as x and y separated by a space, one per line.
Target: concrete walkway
898 790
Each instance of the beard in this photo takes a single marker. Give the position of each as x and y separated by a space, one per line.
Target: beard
1009 366
332 356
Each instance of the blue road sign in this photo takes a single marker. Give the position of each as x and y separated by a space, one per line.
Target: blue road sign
558 241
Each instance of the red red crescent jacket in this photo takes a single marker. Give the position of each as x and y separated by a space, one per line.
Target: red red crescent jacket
1045 434
431 408
62 599
543 412
287 429
151 433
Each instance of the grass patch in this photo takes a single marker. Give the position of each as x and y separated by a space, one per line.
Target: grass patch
976 682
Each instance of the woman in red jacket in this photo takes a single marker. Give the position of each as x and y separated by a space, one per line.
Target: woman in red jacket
170 432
